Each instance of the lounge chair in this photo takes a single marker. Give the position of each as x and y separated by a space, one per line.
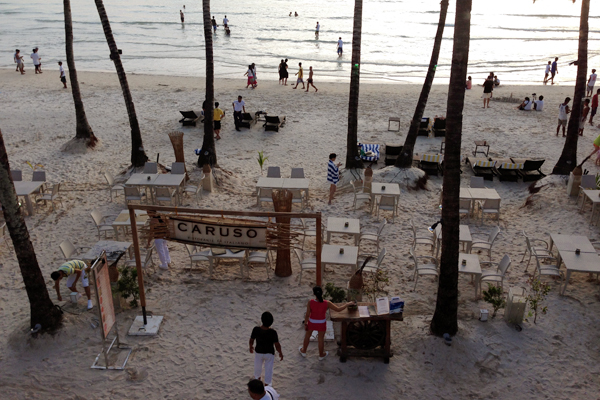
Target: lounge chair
439 127
431 163
273 123
247 120
507 171
392 152
531 170
424 127
189 118
482 167
369 152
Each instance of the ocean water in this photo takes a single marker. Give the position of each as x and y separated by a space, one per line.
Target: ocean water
513 38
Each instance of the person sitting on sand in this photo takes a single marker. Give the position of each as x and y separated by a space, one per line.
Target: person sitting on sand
72 270
266 343
563 110
469 83
315 320
525 105
496 81
538 105
258 391
584 114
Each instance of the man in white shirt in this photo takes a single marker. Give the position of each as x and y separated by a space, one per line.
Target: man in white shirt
317 28
547 73
340 47
238 108
590 84
225 22
538 105
63 75
258 391
36 61
563 110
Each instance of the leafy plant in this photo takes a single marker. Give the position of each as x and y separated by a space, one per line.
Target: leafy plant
374 285
261 160
128 285
34 166
495 297
536 297
334 293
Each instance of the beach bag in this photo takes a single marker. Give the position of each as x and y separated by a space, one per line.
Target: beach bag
356 282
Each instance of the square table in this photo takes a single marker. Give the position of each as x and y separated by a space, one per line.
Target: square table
297 184
110 246
594 196
571 243
170 180
142 180
473 268
26 189
583 262
122 221
331 255
391 189
464 237
337 225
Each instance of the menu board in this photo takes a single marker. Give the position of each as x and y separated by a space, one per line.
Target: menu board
104 294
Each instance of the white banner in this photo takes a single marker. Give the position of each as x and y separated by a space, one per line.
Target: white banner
247 235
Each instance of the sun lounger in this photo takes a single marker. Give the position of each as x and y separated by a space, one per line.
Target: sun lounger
531 169
369 152
439 127
482 167
247 120
424 127
431 163
392 151
507 171
273 123
189 118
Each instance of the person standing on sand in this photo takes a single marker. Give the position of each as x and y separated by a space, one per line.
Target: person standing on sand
280 70
266 343
563 110
225 22
317 28
584 114
309 82
37 63
340 47
548 67
19 60
251 79
315 320
217 116
554 69
333 175
258 391
239 106
254 73
594 107
181 16
72 270
488 88
295 14
596 149
286 74
214 24
590 84
63 75
300 74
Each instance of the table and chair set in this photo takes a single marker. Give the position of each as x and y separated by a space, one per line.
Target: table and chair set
35 191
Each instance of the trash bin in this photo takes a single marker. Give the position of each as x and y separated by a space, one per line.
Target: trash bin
515 305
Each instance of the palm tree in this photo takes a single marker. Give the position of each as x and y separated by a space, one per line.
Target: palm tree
352 155
445 318
568 158
138 155
83 130
208 155
42 309
406 157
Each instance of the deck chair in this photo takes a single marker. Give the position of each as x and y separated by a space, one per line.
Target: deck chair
112 186
490 206
307 261
264 194
359 194
439 127
259 258
531 170
431 163
392 152
16 174
163 194
424 265
507 171
71 252
52 197
485 244
101 224
273 172
483 168
39 176
151 168
273 123
374 264
369 152
196 256
189 118
297 173
247 120
132 194
388 203
424 127
495 275
542 250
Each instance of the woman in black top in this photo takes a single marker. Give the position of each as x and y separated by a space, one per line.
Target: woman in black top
266 343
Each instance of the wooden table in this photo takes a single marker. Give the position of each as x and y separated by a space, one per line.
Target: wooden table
122 221
472 268
331 255
26 189
377 189
338 225
110 246
353 325
594 196
464 237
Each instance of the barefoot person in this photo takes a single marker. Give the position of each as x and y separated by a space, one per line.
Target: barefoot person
300 74
217 116
266 343
19 61
63 75
37 61
315 320
594 106
340 47
333 175
553 70
181 16
488 88
547 72
309 82
317 28
563 110
72 270
584 115
590 84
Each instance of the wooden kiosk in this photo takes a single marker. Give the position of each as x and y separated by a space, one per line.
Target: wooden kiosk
365 336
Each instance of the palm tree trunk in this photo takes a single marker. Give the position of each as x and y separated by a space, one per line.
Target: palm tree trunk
568 158
208 155
406 157
352 155
42 309
445 318
83 130
138 155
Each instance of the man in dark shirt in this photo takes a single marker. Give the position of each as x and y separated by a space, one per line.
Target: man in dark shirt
266 343
488 87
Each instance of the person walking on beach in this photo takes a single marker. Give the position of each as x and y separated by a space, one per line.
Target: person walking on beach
225 22
590 84
548 67
266 343
488 88
309 82
584 114
281 70
72 270
594 106
250 75
295 14
340 47
563 110
286 74
217 116
315 320
19 60
258 391
317 28
554 69
63 75
37 63
181 16
254 73
214 24
239 106
333 175
300 74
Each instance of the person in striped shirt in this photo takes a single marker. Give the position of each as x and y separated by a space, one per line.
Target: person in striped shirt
72 270
333 175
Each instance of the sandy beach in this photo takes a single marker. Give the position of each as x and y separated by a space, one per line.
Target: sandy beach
201 351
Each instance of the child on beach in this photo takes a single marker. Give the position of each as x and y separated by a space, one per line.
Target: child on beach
563 110
266 343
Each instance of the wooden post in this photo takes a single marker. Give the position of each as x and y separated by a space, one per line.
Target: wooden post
138 262
319 247
282 201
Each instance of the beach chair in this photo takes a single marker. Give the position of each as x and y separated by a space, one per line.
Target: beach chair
112 186
507 171
101 225
372 236
52 197
423 127
464 207
273 123
392 152
387 203
531 170
71 252
483 168
16 174
439 127
425 238
297 173
195 190
307 260
261 258
394 119
424 265
132 194
39 176
273 172
359 194
369 152
552 269
247 121
495 275
431 163
374 264
164 194
532 249
178 168
189 118
298 197
151 168
490 206
147 260
197 256
264 194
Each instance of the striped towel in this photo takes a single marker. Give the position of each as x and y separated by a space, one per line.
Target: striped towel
511 166
366 148
431 158
333 173
485 164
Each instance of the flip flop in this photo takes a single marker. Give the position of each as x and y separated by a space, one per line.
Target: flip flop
322 358
301 353
447 339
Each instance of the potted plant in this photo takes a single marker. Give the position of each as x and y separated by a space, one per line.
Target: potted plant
495 297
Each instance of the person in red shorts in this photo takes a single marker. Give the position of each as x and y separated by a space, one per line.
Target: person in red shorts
315 320
594 106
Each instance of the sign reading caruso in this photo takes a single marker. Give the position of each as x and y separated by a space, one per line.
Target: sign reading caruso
225 233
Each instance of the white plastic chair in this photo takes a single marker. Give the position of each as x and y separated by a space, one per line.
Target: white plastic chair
532 249
429 267
495 275
359 195
306 263
311 231
150 168
163 194
477 182
426 238
147 262
16 174
197 256
264 194
587 182
259 257
464 207
374 263
490 206
4 236
195 190
101 225
132 194
273 172
387 203
178 168
485 245
372 236
52 197
297 173
71 252
548 269
39 176
298 197
112 186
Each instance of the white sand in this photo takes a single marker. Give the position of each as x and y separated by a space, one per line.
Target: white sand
201 351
